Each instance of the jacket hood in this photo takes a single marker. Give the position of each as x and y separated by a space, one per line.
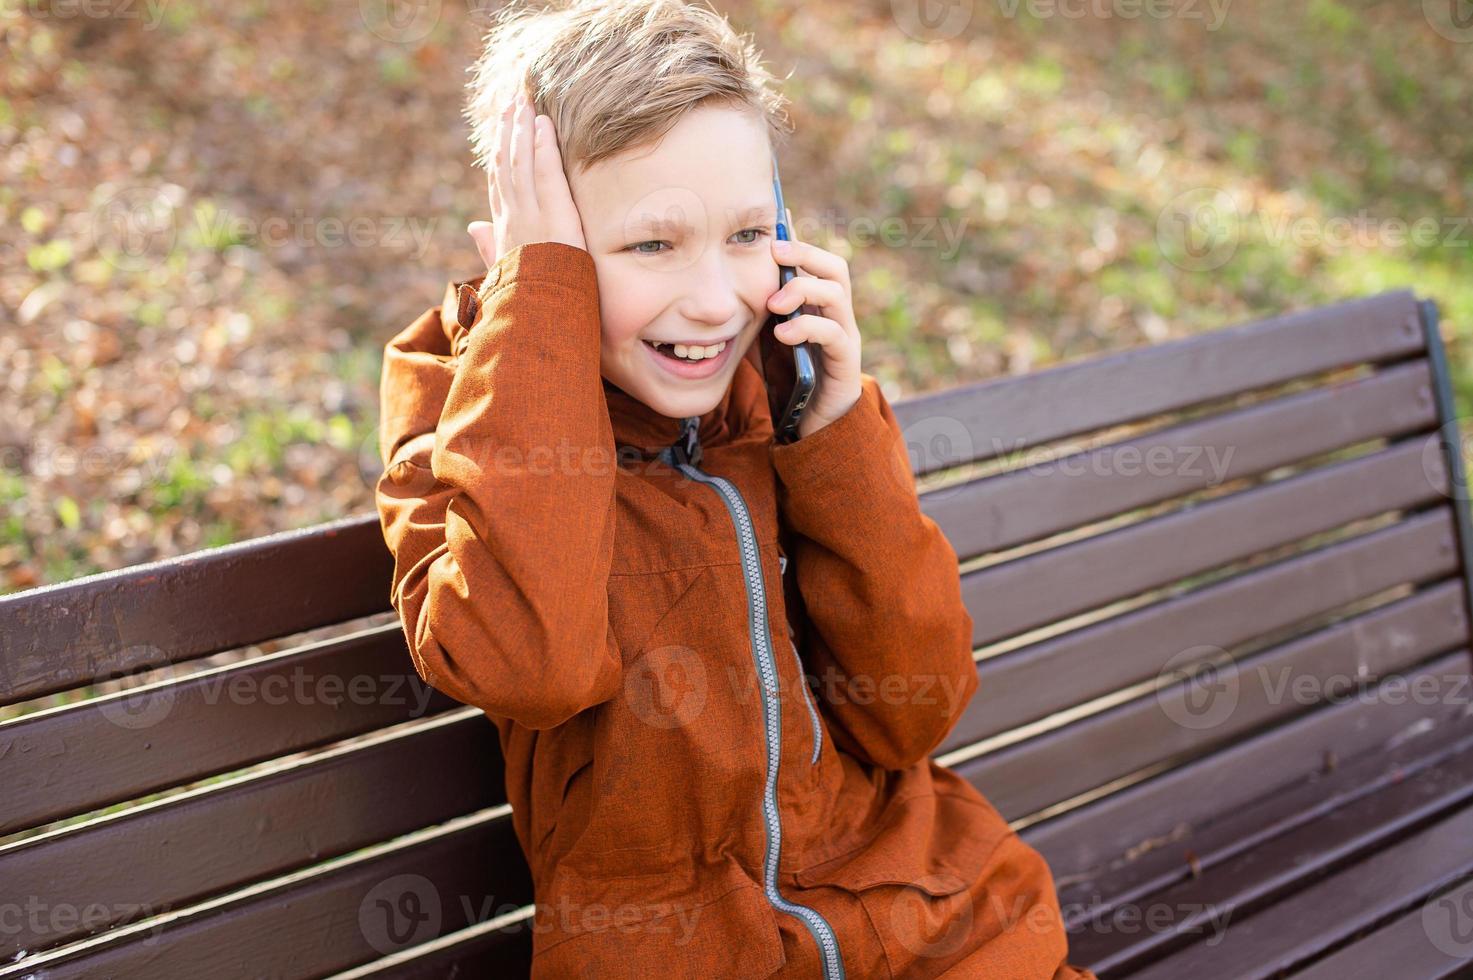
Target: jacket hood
419 366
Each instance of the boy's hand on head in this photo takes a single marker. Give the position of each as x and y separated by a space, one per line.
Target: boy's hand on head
822 282
529 193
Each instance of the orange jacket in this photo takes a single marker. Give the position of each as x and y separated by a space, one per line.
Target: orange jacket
638 632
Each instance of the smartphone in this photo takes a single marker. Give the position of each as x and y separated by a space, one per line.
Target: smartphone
790 370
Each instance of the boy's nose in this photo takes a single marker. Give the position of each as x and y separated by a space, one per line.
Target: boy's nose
712 297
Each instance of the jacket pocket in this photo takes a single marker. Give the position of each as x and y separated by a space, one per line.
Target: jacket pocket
938 881
937 840
636 935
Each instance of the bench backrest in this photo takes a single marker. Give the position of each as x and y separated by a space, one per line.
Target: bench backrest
1174 557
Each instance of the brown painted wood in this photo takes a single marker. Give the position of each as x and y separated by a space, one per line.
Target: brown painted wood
230 834
1033 682
322 922
1291 931
990 418
1028 776
115 623
1194 793
1038 498
95 753
1403 948
1195 909
1038 589
1134 876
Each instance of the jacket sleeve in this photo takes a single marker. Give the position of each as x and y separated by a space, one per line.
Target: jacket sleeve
889 636
497 498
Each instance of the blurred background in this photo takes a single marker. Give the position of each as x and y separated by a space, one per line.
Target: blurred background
214 216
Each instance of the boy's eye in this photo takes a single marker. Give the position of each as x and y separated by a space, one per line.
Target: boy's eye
639 248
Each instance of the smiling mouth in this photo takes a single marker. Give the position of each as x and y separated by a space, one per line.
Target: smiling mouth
691 354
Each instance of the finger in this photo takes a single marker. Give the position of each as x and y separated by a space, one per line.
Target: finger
547 167
503 158
823 293
521 153
481 234
825 265
810 328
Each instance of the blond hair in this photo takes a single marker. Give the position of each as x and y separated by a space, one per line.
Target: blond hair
616 75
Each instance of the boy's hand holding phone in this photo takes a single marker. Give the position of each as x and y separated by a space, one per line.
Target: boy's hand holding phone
822 283
530 198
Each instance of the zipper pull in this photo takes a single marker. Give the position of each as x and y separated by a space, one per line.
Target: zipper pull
690 443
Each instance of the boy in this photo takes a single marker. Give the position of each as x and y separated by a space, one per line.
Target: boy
598 543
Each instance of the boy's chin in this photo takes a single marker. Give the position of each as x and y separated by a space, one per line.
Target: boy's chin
666 398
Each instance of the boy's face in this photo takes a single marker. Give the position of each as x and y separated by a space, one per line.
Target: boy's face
681 237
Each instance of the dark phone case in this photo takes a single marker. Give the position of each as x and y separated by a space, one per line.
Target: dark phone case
780 372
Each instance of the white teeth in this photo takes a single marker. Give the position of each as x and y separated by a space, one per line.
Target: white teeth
695 353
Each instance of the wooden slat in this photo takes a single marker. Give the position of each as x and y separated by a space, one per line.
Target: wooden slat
1033 682
1247 823
1404 949
1272 870
476 951
81 757
1029 776
1203 788
1288 932
989 418
1035 501
321 921
1038 589
115 623
223 836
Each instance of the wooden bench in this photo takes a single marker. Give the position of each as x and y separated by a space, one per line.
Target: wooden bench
1221 597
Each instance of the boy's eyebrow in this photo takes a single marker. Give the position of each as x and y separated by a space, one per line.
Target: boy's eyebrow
672 222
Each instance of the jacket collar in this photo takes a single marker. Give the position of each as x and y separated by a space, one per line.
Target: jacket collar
637 425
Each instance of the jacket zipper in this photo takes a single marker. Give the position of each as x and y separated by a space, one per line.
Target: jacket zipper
683 456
